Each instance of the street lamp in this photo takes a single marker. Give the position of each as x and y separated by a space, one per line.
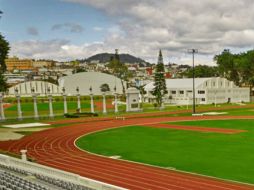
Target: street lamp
193 51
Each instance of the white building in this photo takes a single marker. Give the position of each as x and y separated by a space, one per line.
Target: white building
85 80
207 91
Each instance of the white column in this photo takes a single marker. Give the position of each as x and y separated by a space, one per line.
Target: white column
215 98
127 102
19 108
104 103
65 104
116 106
36 115
92 104
23 155
162 103
2 108
51 113
78 103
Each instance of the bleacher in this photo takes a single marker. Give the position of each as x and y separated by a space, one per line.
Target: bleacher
12 178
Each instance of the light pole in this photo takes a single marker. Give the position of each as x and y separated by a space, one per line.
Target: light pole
193 51
18 104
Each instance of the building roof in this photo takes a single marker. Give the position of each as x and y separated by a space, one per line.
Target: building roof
40 87
86 79
185 83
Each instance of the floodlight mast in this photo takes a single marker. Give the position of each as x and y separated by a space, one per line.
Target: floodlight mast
193 51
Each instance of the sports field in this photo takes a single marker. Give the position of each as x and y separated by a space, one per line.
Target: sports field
223 155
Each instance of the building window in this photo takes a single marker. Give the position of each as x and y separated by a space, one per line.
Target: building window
213 83
203 99
201 92
205 83
181 92
173 92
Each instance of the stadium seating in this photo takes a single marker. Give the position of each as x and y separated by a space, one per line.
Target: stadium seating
12 178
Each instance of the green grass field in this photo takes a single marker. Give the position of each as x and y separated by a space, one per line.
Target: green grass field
43 108
219 155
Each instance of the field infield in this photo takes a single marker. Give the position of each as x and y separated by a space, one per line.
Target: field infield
199 129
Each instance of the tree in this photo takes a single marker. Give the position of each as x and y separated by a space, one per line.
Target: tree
104 87
202 71
238 68
160 88
228 66
4 49
118 68
246 68
3 84
78 70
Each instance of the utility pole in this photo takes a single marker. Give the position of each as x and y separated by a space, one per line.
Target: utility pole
193 51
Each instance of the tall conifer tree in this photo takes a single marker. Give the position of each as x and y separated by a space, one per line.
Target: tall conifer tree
4 49
160 88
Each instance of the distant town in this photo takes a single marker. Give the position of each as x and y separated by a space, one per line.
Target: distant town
21 70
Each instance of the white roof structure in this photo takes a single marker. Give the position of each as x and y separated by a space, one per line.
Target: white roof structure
185 83
85 80
40 88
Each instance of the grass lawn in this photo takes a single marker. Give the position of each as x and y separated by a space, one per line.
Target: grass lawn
43 108
219 155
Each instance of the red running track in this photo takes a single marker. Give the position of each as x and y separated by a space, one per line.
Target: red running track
55 148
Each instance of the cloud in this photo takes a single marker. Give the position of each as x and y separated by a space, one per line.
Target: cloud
145 26
71 27
97 29
32 31
57 49
177 25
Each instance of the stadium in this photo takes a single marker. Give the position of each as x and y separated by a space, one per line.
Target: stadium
124 151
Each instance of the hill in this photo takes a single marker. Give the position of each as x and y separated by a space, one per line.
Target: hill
125 58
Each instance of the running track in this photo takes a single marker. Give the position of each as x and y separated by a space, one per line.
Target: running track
55 148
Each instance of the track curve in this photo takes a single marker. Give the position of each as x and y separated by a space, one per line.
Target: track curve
55 148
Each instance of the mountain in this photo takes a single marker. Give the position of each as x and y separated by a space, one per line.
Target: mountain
125 58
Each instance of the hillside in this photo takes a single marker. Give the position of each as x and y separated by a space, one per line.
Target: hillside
125 58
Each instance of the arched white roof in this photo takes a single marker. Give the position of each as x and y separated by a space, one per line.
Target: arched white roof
40 88
86 79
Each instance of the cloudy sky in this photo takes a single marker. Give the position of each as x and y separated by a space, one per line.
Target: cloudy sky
70 29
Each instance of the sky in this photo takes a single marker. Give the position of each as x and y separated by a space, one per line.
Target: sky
76 29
